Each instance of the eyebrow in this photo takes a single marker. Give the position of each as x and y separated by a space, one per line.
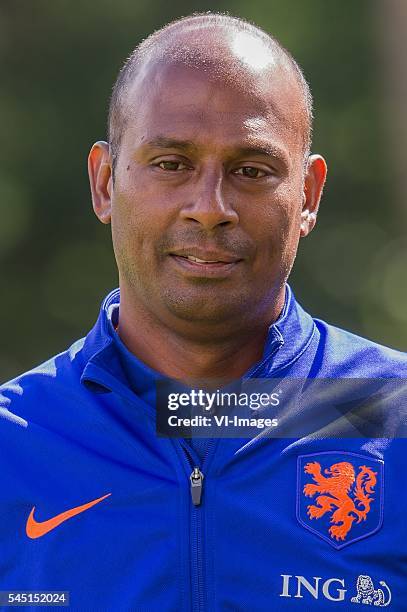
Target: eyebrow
264 149
162 142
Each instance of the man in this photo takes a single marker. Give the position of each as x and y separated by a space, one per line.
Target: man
208 184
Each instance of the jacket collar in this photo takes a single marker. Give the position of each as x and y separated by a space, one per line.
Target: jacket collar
288 338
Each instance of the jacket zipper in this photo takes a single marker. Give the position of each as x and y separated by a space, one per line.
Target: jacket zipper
196 479
197 540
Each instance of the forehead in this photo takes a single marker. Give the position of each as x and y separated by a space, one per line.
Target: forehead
204 106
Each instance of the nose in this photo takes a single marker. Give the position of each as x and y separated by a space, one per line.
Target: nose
208 205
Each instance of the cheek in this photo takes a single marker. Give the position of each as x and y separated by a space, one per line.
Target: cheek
280 221
277 232
128 227
140 219
288 208
130 207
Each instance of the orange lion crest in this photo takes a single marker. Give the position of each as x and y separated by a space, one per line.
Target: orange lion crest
346 495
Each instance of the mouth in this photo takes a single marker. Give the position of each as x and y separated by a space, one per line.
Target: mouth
207 264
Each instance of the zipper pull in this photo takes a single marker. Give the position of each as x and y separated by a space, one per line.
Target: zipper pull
196 479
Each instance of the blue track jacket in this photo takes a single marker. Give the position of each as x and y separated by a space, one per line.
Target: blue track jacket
94 503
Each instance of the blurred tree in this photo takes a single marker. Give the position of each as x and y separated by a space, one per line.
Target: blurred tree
391 19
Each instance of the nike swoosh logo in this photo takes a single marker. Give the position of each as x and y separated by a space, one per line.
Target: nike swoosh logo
35 529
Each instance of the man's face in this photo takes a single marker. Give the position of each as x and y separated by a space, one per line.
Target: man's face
208 194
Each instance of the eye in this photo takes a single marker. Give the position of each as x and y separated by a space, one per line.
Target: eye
250 172
171 165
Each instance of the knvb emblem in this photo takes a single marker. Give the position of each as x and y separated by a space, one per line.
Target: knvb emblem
340 496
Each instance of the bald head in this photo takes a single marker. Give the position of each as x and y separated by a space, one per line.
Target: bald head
229 49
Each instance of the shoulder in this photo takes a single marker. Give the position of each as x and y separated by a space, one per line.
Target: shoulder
348 354
38 388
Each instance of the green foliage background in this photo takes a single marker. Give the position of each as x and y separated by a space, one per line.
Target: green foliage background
58 60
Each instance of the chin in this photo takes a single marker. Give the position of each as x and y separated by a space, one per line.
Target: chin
204 309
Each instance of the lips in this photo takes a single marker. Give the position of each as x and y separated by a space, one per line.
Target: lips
197 260
208 264
205 257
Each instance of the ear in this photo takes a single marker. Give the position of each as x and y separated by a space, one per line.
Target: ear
100 177
313 185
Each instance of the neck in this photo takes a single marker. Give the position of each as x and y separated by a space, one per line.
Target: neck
223 356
